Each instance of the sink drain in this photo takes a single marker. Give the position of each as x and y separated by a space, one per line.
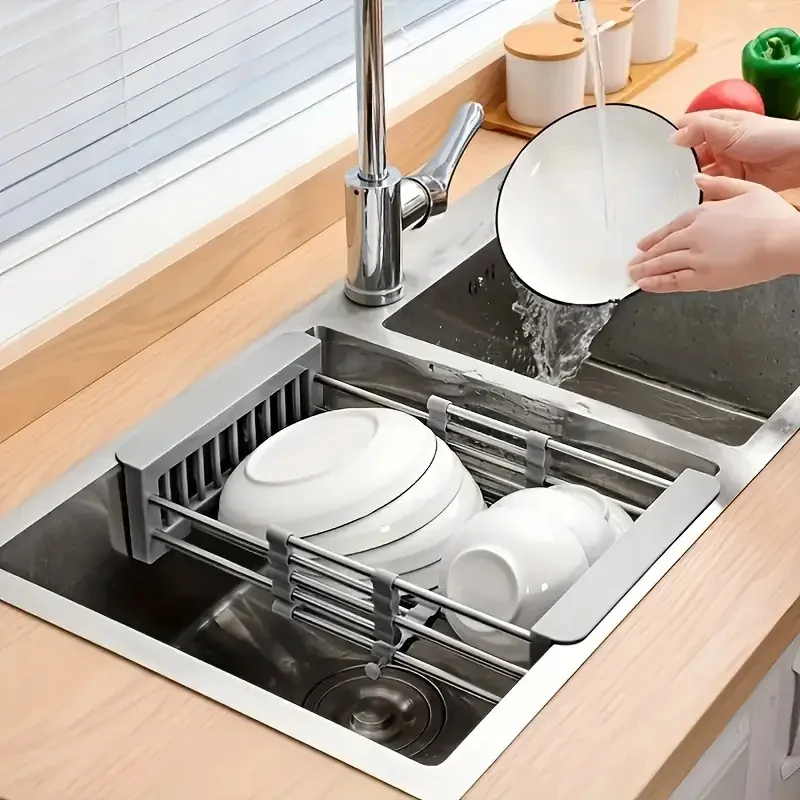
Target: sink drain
401 710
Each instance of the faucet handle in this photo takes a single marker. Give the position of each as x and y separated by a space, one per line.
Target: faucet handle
437 174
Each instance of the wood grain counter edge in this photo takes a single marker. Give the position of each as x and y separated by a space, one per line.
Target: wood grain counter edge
63 355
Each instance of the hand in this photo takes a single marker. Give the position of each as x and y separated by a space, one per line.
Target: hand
742 234
741 144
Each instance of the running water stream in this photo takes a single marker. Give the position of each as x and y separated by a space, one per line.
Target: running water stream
591 36
560 336
557 336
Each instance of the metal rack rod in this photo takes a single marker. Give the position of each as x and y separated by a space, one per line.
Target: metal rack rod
233 536
502 427
402 659
318 595
517 469
472 653
330 626
370 397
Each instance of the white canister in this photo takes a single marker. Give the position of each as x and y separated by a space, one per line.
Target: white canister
655 32
545 69
616 40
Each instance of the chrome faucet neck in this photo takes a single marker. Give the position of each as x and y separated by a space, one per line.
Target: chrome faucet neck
370 88
380 202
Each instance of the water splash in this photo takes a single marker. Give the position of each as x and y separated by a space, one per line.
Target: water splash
557 337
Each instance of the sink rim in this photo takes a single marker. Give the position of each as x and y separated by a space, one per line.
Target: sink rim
431 253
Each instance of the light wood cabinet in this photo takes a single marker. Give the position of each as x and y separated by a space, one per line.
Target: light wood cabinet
757 756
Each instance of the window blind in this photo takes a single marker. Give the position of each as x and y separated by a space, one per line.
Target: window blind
94 91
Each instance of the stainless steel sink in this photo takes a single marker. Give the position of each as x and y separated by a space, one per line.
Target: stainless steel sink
717 365
125 551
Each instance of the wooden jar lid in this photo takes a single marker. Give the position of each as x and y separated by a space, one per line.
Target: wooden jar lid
619 13
543 41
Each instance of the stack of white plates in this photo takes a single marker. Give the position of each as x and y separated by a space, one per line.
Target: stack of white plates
372 484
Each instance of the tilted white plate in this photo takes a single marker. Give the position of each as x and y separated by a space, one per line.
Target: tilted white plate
551 222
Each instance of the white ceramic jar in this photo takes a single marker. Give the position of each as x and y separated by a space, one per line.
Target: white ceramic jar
655 31
616 41
545 69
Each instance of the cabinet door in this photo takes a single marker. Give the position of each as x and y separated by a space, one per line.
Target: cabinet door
732 784
785 747
722 772
757 757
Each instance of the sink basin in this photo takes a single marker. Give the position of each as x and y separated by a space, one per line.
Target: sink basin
717 365
182 595
125 550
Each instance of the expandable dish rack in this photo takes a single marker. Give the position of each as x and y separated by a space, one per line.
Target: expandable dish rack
176 464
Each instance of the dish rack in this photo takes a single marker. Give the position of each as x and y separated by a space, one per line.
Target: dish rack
175 465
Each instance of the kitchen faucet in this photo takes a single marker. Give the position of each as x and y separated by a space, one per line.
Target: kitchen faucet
381 202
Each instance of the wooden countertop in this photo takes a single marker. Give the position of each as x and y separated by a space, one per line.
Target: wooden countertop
77 723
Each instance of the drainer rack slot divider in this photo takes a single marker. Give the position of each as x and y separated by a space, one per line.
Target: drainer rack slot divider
188 447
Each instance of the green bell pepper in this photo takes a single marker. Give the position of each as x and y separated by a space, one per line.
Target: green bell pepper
771 63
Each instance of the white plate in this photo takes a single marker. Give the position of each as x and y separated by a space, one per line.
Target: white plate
550 213
327 471
414 555
425 578
423 501
425 545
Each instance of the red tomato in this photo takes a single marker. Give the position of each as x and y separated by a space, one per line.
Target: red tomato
732 93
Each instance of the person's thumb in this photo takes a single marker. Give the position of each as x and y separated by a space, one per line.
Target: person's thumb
719 187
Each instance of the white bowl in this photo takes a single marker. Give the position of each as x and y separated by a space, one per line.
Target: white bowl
512 567
550 213
327 471
618 519
585 512
417 506
427 544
